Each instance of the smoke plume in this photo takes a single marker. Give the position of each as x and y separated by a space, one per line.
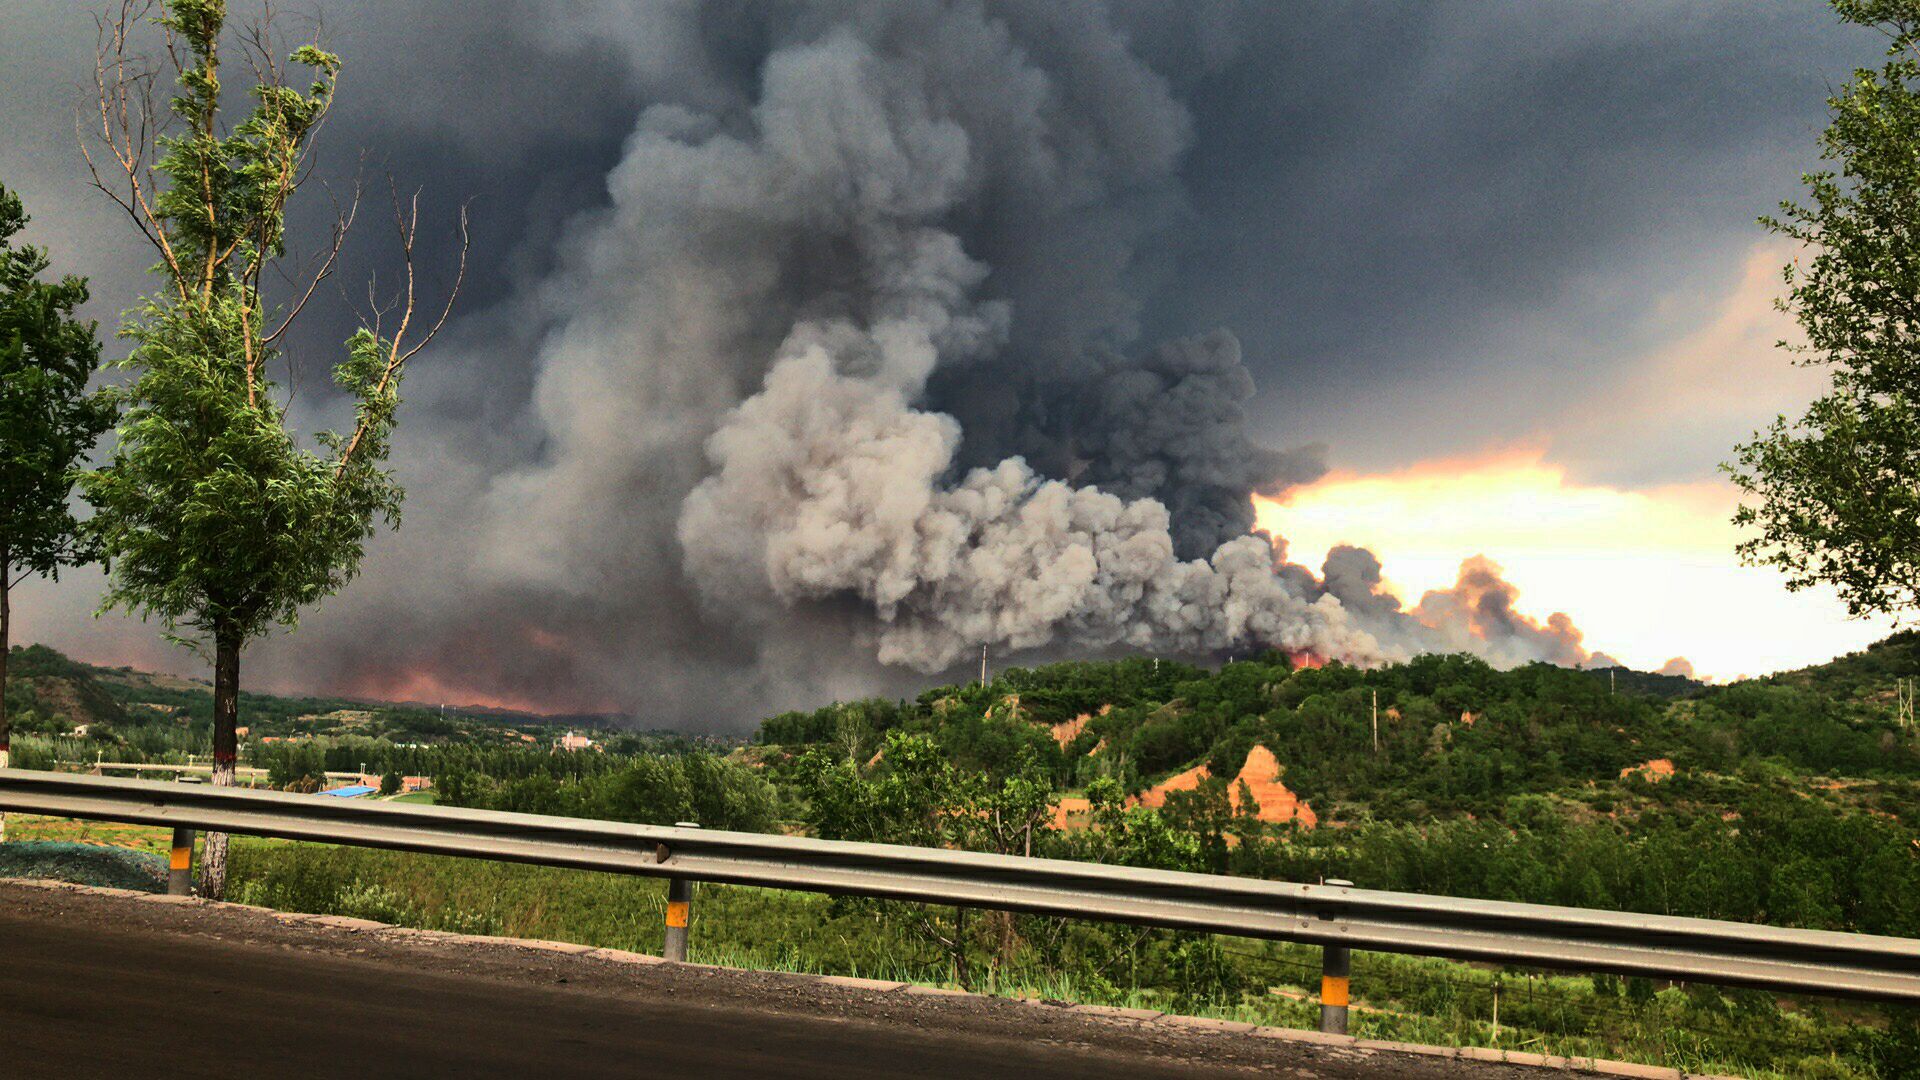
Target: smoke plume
1679 665
844 382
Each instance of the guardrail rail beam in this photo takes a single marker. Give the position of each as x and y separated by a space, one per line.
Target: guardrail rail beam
1820 962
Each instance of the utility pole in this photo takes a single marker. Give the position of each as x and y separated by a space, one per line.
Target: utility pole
1376 721
983 665
1611 672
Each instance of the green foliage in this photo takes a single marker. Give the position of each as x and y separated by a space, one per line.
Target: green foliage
1838 491
915 794
48 420
650 789
214 517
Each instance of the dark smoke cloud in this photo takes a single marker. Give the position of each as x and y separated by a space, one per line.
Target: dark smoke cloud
808 399
812 336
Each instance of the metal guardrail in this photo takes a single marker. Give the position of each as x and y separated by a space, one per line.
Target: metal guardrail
1535 935
103 766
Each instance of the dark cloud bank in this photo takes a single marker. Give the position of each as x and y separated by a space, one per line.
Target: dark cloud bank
845 382
825 344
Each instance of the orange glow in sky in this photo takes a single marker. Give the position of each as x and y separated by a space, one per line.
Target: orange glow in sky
427 688
1647 574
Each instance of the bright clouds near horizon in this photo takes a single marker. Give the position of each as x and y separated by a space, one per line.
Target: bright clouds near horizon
1647 574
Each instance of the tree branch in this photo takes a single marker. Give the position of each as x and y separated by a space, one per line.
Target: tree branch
130 125
342 222
398 352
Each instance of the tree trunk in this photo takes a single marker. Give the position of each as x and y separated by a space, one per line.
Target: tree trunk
226 747
6 724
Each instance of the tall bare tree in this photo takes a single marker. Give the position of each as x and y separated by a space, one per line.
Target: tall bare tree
213 515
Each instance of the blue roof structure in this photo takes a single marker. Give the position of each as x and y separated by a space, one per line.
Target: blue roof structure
351 791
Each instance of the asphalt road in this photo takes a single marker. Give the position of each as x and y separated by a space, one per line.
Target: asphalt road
94 985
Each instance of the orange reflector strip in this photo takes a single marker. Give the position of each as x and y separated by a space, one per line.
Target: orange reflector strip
181 859
677 913
1333 990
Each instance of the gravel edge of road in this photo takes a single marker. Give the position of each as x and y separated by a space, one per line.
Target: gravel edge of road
872 999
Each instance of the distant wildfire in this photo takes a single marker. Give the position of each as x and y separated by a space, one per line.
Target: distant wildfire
837 398
1584 548
423 687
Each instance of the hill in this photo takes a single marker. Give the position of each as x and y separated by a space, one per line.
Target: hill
1864 678
129 713
1652 683
47 692
1439 737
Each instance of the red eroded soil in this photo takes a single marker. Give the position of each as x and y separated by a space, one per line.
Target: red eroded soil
1069 730
1072 812
1655 770
1261 775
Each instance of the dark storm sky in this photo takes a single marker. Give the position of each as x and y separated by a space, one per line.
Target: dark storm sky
1434 227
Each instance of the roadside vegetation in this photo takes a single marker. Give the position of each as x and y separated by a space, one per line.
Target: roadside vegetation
1402 998
1788 800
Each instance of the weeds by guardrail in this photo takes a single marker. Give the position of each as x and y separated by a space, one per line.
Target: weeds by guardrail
1335 916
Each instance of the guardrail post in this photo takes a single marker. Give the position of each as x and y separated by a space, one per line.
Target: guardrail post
1336 965
180 864
679 911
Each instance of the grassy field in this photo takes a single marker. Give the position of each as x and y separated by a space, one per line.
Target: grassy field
1402 998
424 797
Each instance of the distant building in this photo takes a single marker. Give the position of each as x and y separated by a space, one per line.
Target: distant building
351 791
571 742
415 783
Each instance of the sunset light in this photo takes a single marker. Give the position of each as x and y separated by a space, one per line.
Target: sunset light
1647 574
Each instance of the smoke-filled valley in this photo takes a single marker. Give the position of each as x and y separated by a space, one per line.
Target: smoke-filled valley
845 383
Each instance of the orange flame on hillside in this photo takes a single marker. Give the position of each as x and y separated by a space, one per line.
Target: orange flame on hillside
422 686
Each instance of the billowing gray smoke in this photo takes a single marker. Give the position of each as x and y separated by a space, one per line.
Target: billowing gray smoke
844 379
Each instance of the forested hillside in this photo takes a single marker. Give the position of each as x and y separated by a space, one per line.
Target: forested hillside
64 709
1789 799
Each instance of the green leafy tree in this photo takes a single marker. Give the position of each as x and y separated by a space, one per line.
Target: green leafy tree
215 518
915 795
1835 496
48 421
